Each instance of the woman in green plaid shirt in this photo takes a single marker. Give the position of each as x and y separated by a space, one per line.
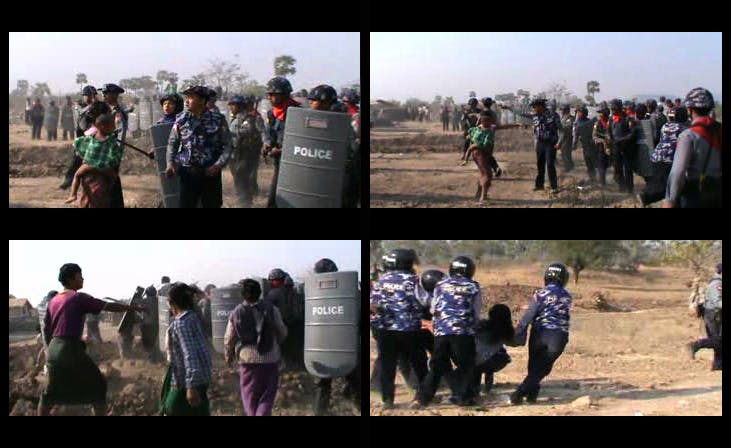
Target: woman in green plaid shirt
101 153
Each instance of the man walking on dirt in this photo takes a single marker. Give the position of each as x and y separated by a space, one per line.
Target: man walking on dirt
710 310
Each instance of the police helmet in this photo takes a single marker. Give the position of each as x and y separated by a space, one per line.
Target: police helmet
565 107
349 96
487 102
325 265
279 85
472 102
323 92
463 266
429 279
557 274
641 109
699 98
400 259
277 274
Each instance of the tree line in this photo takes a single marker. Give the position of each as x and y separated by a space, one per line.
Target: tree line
698 255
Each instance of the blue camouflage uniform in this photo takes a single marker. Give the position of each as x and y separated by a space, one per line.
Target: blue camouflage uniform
545 130
549 314
273 135
456 306
399 298
199 142
549 309
712 316
713 293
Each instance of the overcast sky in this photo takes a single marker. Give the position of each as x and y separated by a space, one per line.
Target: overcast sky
56 58
422 65
115 268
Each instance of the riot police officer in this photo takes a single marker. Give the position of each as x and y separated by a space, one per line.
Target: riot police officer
291 308
711 314
325 97
324 385
548 316
695 178
396 299
279 90
545 129
456 310
246 128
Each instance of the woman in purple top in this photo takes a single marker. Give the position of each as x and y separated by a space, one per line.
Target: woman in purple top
73 378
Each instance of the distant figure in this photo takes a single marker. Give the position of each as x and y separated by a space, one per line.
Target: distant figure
28 108
445 119
36 117
456 117
67 119
51 121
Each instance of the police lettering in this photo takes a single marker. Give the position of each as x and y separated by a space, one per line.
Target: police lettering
467 290
327 310
313 152
394 287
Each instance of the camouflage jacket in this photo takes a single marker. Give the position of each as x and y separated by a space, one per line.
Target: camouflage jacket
201 141
713 293
565 132
545 126
549 309
246 133
456 306
398 297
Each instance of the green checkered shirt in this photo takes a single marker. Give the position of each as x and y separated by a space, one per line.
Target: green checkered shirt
101 155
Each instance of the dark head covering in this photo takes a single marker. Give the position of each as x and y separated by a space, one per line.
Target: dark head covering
201 91
325 265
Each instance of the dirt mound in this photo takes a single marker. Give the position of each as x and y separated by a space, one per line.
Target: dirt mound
507 140
134 385
39 158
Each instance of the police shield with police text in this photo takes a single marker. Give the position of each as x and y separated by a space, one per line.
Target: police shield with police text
314 154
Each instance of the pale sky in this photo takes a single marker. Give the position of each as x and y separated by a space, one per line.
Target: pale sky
115 268
56 58
422 65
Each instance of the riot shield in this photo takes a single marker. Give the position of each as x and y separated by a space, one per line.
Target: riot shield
332 313
312 165
129 317
170 186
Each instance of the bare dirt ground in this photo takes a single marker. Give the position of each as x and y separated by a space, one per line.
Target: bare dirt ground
133 386
628 363
416 165
37 168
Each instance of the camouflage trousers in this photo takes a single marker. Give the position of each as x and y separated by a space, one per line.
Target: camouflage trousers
244 171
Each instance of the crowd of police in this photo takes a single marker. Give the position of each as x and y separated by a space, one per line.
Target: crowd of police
674 146
204 140
439 314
